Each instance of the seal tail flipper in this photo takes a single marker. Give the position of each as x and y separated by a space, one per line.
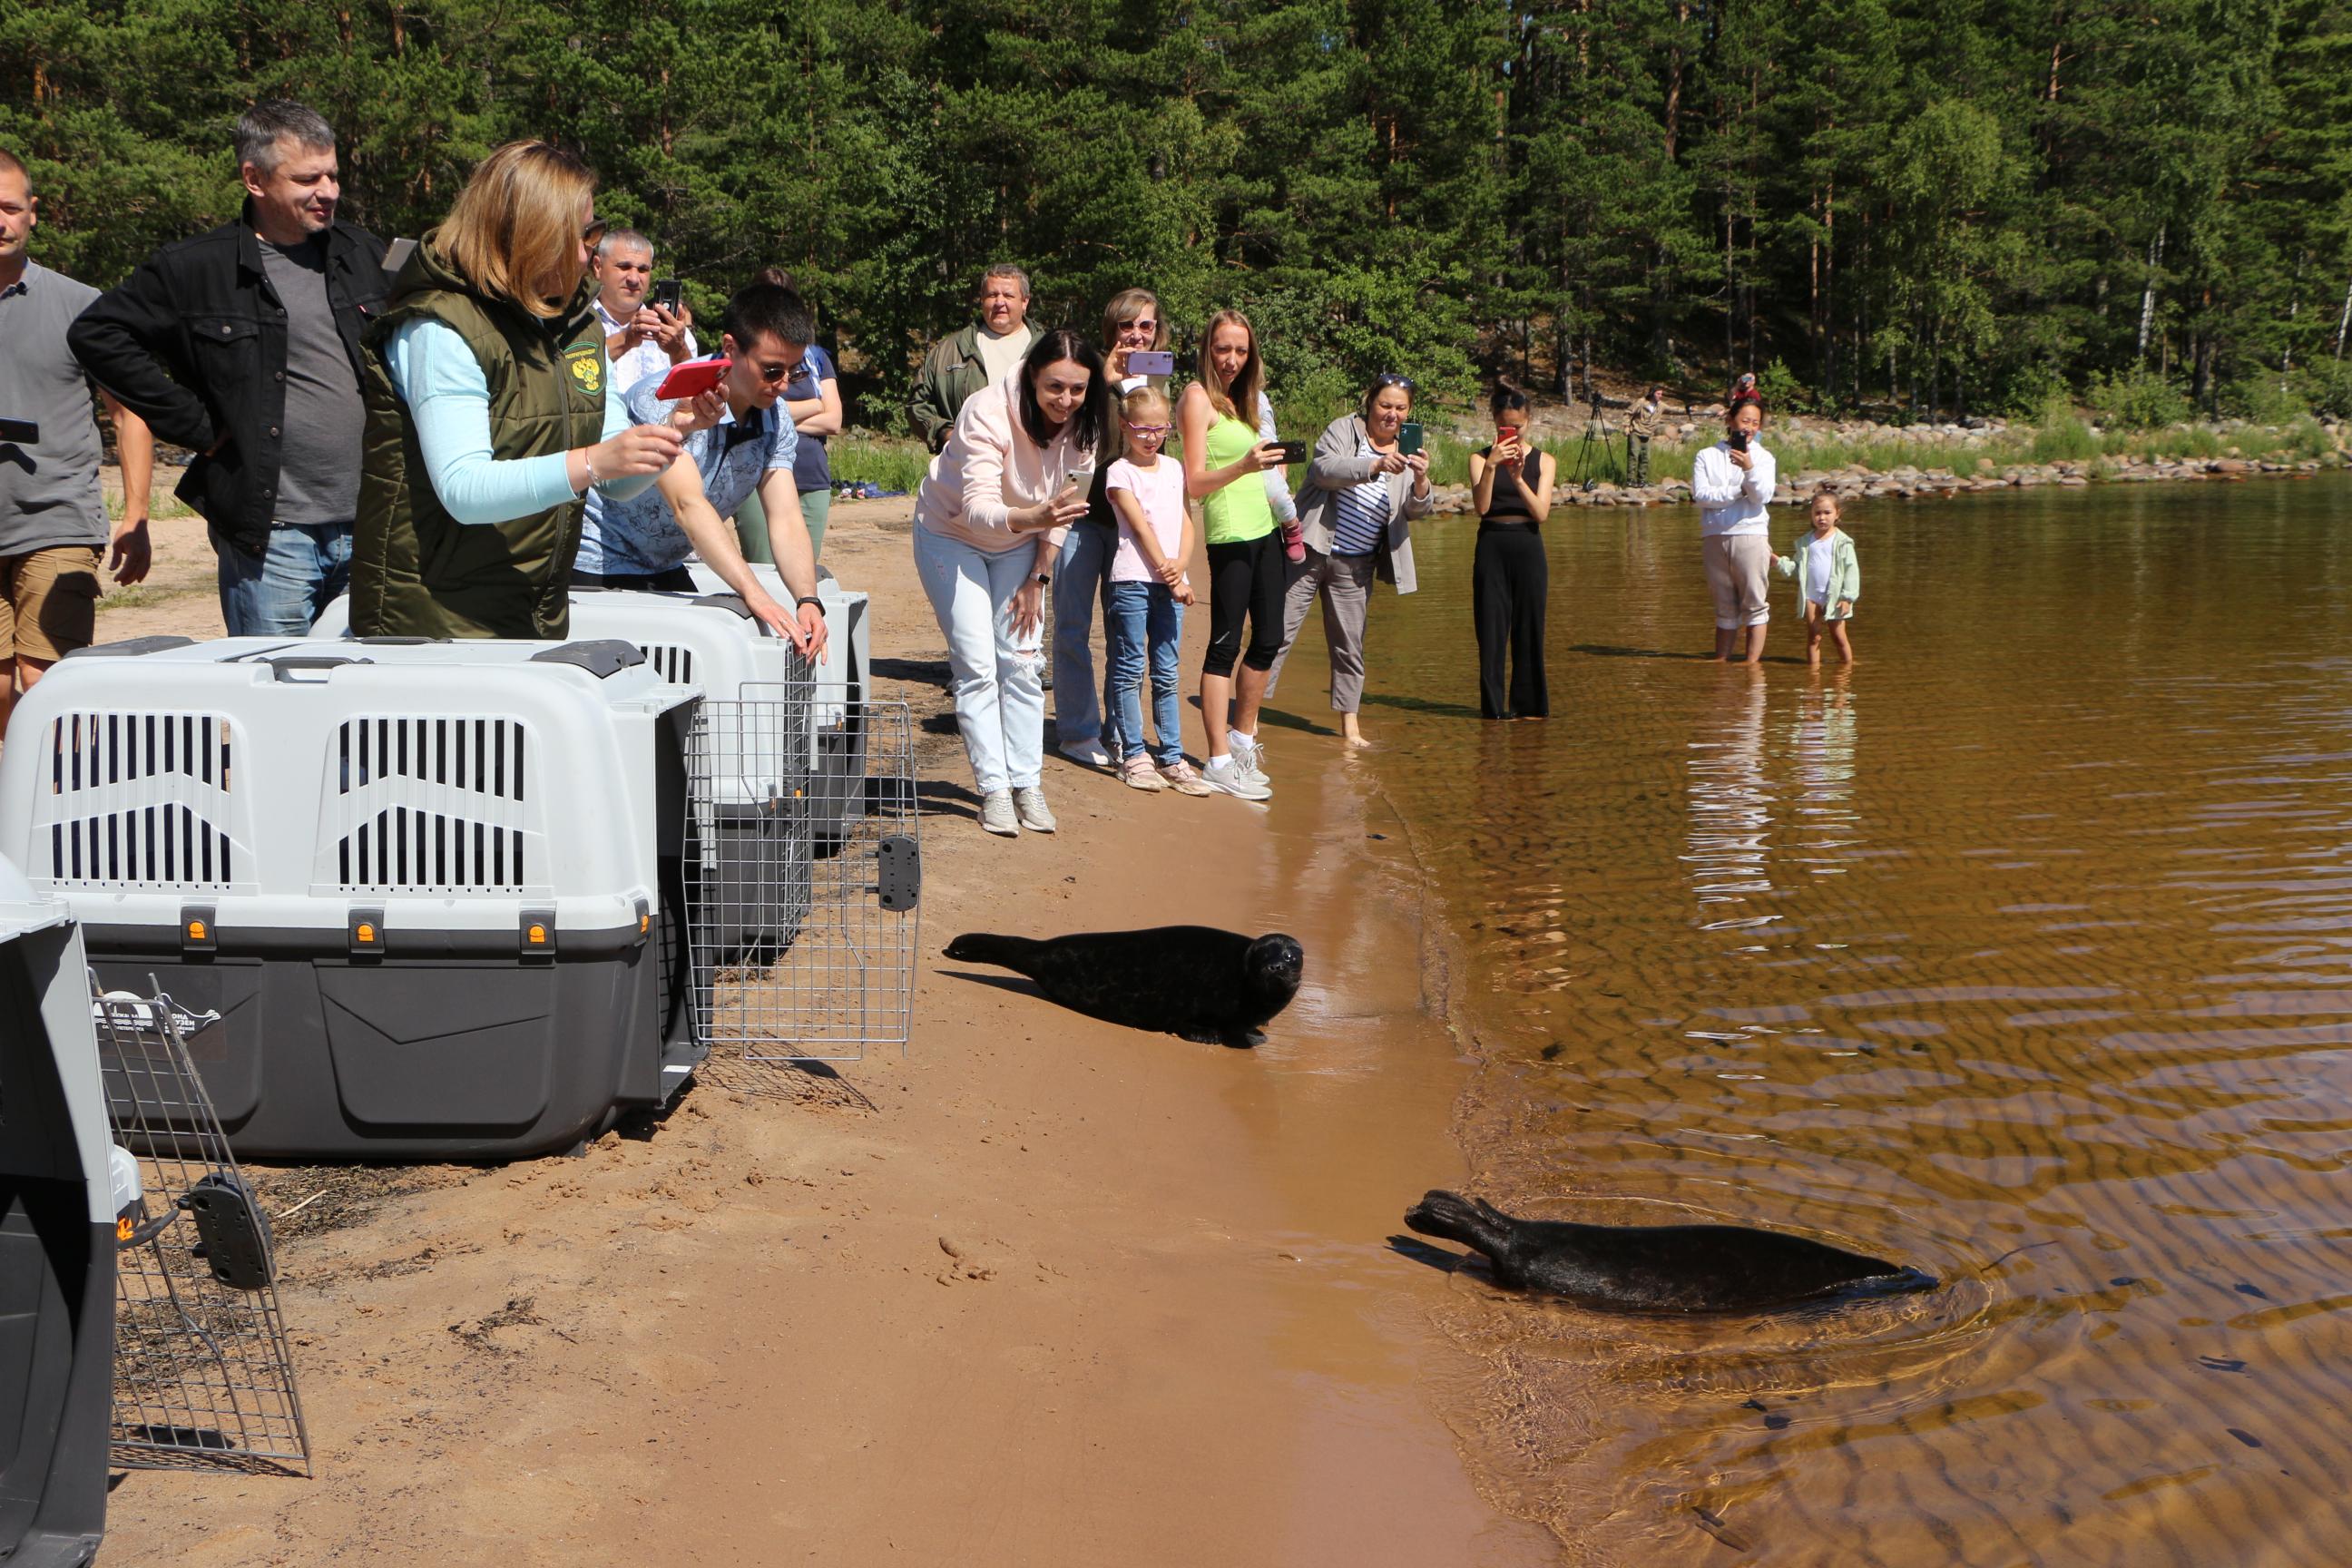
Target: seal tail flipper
987 947
1457 1218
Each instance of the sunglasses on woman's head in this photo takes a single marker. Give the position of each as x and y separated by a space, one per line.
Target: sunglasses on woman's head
1388 378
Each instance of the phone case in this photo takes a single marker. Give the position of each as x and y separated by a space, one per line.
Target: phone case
1151 361
692 379
1409 439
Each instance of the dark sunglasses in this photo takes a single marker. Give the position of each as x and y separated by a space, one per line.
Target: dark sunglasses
594 232
772 374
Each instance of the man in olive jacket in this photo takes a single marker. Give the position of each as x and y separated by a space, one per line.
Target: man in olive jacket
981 354
243 346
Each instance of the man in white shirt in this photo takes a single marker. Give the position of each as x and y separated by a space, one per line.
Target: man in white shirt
1733 482
640 339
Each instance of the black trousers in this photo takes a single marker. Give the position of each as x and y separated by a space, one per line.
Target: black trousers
1244 580
1509 581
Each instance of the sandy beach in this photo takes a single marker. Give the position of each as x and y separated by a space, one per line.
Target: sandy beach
1040 1291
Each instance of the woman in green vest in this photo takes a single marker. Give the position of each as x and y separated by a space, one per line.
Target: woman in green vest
490 411
1217 418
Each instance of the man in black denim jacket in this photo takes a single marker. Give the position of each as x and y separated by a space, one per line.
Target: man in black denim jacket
243 346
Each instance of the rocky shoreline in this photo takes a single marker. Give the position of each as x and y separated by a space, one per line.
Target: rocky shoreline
1908 482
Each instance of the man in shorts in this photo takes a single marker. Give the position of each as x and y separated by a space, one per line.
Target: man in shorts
53 529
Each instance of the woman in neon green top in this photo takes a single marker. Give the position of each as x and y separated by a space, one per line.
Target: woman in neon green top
1245 567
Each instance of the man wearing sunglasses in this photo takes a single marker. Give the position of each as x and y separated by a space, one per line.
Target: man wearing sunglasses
744 443
243 346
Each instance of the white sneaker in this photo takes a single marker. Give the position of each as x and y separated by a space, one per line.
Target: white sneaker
996 815
1247 754
1235 780
1029 804
1091 753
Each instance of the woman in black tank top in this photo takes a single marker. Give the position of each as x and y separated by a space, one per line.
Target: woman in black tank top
1510 487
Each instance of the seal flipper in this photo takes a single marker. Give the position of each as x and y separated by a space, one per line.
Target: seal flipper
1477 1226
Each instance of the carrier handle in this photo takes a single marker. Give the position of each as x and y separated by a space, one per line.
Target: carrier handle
282 668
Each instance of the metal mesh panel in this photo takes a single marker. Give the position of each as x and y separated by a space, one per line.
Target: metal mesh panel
803 935
202 1378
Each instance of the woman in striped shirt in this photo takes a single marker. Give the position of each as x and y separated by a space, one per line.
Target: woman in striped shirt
1361 494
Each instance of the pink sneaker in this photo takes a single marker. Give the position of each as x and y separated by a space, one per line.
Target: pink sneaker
1184 778
1294 543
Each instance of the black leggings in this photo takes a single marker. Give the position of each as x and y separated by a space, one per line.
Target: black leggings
1245 579
1509 579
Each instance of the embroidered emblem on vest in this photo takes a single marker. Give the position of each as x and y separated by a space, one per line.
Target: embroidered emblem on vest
588 370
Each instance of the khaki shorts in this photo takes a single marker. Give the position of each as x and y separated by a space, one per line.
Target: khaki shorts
1738 571
49 601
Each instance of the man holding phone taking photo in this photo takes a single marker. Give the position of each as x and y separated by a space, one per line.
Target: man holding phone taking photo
742 442
647 328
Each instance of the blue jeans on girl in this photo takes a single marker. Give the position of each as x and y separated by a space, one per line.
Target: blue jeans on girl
1136 617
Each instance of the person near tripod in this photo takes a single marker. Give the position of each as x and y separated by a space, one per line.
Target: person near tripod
1648 412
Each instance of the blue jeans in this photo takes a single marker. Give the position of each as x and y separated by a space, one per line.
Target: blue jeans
1079 581
1138 613
281 592
1000 697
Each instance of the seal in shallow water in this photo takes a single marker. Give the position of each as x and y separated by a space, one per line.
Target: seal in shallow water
1659 1267
1202 984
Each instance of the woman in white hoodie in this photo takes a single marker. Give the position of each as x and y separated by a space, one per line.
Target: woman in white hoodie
989 521
1733 482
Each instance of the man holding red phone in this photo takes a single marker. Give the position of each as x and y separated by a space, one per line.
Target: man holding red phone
739 442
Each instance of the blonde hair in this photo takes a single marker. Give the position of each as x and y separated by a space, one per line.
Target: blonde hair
1235 399
514 232
1139 401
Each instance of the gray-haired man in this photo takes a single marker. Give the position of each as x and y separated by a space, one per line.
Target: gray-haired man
243 346
641 338
981 355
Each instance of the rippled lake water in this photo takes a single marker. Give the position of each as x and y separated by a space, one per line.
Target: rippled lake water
2021 953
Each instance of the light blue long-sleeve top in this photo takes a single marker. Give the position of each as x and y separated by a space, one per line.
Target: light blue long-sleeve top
442 383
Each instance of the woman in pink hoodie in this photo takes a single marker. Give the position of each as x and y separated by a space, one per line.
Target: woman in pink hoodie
989 521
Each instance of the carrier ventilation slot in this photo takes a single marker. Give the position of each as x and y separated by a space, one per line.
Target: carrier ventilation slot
138 799
444 808
672 662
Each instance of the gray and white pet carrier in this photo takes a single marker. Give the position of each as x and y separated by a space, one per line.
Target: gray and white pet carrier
437 891
56 1241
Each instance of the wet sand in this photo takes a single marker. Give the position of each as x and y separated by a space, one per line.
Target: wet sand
1040 1291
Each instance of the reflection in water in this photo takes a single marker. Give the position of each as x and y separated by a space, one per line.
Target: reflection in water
2050 998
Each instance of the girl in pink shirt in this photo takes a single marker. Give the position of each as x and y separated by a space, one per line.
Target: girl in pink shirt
1143 610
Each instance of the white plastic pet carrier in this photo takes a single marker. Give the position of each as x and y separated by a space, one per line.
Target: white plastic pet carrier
437 891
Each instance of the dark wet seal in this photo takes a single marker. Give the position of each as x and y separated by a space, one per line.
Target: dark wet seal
1683 1269
2243 1436
2223 1363
2242 1289
1214 986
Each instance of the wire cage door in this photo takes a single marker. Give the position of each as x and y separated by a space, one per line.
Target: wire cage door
802 934
203 1375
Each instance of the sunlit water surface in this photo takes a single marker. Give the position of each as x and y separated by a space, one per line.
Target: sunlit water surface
2020 952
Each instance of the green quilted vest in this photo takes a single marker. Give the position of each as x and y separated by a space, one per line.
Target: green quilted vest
415 570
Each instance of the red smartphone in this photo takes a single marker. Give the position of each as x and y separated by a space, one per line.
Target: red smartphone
692 378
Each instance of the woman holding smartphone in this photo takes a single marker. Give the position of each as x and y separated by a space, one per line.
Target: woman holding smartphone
1131 324
989 521
1224 462
1510 581
1366 484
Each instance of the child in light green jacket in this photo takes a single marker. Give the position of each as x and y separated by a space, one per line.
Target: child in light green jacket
1829 580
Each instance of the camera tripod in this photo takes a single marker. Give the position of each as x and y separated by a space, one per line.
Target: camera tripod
1597 438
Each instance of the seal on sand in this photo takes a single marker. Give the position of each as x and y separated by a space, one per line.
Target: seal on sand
1194 980
1659 1267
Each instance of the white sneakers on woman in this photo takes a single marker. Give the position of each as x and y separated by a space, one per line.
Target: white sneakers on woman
1006 812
